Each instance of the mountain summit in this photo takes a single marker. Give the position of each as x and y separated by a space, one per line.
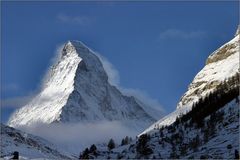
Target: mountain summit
77 90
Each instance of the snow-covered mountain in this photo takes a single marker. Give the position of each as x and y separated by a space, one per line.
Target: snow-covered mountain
28 146
220 65
217 139
205 124
77 90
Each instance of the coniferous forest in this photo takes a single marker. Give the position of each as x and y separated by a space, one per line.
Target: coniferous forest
177 134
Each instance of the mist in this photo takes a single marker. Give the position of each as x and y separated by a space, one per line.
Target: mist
143 96
74 137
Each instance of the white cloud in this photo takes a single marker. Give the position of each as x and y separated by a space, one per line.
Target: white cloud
20 101
80 20
75 137
53 61
112 72
176 33
114 79
151 105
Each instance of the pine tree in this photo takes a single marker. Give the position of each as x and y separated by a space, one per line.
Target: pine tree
237 100
236 154
130 139
126 140
93 149
142 146
195 143
159 155
161 134
123 142
183 149
173 154
85 154
206 135
15 155
111 144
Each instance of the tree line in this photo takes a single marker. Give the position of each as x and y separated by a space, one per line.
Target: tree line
224 93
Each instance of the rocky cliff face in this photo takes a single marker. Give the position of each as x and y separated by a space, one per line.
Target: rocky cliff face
77 90
220 65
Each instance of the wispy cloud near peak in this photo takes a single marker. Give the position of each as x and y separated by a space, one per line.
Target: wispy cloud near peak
181 34
114 79
79 20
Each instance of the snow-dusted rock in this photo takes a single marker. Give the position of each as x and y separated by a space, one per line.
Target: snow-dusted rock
220 65
77 90
28 146
221 145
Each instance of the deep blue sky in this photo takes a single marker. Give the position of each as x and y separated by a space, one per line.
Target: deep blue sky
157 47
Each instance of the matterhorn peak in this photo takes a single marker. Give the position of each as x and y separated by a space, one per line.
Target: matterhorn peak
78 91
73 45
68 48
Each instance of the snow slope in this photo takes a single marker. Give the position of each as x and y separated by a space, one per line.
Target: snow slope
220 65
77 90
180 141
28 146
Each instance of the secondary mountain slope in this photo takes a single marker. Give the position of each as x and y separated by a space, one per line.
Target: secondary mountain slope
217 139
28 146
220 65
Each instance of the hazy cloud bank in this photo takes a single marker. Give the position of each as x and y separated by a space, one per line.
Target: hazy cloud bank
75 137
